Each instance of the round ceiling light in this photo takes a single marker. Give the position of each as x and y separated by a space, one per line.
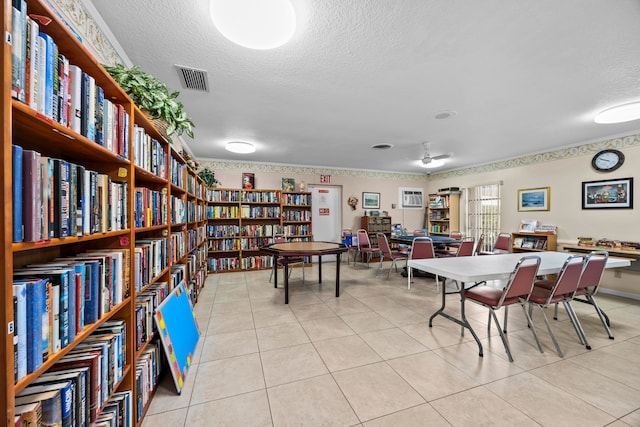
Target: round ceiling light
433 164
619 114
240 147
256 24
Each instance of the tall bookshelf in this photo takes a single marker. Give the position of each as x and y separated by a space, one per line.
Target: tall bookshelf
376 224
443 213
241 221
174 222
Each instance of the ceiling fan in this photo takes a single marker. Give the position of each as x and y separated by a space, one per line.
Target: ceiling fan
428 158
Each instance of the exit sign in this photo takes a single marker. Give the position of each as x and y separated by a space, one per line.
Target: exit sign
325 179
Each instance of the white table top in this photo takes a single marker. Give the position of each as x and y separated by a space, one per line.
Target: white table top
494 267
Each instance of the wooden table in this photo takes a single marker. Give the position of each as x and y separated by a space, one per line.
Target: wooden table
304 249
474 269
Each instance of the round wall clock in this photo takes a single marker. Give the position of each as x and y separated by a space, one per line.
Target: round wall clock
607 160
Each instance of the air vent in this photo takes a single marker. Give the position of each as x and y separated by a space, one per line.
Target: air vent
381 146
192 78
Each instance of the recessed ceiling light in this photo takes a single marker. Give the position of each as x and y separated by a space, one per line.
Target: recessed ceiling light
240 147
256 24
382 146
433 164
445 114
619 114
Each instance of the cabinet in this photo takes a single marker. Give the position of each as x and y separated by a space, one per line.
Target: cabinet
443 213
240 222
140 226
376 224
527 242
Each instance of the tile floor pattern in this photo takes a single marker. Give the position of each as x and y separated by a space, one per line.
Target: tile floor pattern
369 359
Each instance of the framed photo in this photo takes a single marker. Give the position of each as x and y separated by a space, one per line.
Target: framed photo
533 199
248 181
370 200
608 194
288 184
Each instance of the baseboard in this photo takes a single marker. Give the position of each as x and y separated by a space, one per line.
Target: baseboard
619 293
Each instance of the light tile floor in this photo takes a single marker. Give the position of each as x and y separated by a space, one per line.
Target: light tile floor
369 358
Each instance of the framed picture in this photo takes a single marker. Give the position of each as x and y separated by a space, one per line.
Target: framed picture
608 194
533 199
248 181
288 184
371 200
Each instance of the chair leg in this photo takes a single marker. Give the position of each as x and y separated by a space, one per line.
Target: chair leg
506 316
555 312
603 319
553 337
379 267
576 324
530 324
502 335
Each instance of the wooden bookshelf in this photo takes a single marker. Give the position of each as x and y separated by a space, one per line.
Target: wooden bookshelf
443 213
533 242
169 179
376 224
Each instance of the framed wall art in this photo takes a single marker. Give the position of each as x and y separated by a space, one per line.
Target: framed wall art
534 199
371 200
608 194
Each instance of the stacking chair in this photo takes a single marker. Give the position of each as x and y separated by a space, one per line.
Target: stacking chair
455 235
364 246
280 261
419 233
517 291
421 248
502 245
562 289
386 252
465 248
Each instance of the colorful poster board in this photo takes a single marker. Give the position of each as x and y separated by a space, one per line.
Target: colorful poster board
179 332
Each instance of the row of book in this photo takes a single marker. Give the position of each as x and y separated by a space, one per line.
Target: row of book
296 199
195 237
296 216
150 207
260 212
148 153
45 80
223 230
178 170
178 210
530 243
78 390
223 212
261 230
224 245
148 365
236 263
54 301
177 246
293 230
150 258
54 198
260 196
146 304
195 211
195 186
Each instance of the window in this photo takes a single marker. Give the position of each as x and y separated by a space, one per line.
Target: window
483 213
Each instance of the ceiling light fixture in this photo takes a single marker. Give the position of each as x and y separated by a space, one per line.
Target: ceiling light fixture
256 24
433 164
619 114
240 147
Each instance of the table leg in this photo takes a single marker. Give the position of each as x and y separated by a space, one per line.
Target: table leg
275 271
338 274
286 280
319 269
409 276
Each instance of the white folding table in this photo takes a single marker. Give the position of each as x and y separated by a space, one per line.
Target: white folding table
474 269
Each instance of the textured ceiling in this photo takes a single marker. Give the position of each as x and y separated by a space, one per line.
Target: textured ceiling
524 77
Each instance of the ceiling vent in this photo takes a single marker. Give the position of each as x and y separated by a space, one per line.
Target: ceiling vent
192 78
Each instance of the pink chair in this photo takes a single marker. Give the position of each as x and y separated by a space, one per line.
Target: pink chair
421 248
465 248
364 246
562 289
517 291
386 251
455 235
502 245
419 233
280 261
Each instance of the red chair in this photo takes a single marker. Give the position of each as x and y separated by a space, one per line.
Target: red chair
386 251
364 246
517 291
455 235
479 243
419 233
465 248
547 292
421 248
280 261
502 245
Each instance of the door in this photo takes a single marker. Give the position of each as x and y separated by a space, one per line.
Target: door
326 218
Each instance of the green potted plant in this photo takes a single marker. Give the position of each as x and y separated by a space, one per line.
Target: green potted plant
209 177
153 97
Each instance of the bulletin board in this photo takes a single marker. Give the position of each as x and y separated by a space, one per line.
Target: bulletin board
178 331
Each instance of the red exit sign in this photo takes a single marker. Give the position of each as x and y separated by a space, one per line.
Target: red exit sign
325 179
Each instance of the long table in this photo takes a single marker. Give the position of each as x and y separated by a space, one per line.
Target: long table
303 249
474 269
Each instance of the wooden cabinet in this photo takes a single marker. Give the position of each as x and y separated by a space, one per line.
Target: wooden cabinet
443 213
145 220
376 224
240 221
535 242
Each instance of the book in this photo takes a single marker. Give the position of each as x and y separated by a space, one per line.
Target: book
20 330
18 48
31 187
41 80
43 198
99 119
49 69
67 392
78 377
51 405
32 62
31 414
16 192
75 116
36 290
61 197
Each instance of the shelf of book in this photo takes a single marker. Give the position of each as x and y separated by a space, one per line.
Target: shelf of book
102 218
533 242
443 213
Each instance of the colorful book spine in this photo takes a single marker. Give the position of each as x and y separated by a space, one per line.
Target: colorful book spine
31 188
49 65
20 329
16 192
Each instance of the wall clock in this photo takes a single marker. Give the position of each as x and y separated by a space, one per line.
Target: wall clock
607 160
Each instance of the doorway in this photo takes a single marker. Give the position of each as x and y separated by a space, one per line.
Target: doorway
326 218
